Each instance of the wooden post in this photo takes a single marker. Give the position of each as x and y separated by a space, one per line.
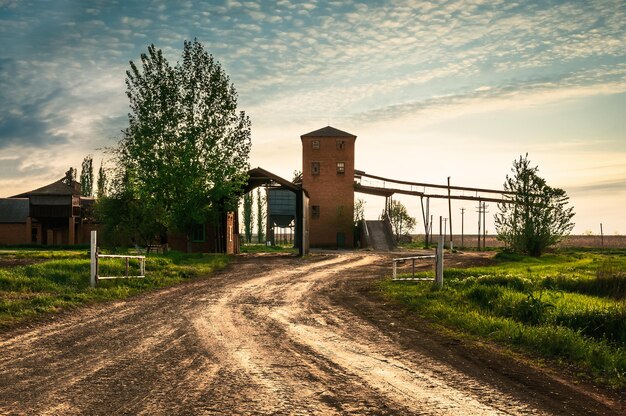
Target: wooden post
439 263
601 236
127 261
462 225
395 271
93 255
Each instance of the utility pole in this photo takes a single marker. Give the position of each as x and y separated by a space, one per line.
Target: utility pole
480 208
601 236
462 225
484 223
450 211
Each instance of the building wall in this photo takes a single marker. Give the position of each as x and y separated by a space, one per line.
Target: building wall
11 234
332 192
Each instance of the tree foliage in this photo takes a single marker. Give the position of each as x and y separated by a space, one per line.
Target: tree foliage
535 215
260 216
102 181
401 222
359 210
248 219
184 155
86 176
70 176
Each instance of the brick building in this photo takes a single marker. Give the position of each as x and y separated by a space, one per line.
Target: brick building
54 214
328 178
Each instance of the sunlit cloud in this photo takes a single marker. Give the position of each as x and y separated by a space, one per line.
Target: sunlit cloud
397 69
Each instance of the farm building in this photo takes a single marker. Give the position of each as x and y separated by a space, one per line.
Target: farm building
320 209
54 214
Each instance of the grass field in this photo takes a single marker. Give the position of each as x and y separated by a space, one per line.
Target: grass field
35 282
569 306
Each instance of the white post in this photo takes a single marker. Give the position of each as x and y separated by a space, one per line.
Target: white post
394 269
93 258
439 264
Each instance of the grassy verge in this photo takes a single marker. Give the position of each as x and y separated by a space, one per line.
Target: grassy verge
262 248
569 307
59 279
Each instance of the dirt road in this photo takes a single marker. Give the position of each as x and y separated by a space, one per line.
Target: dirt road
269 335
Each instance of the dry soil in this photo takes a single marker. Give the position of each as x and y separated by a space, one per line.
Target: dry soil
272 334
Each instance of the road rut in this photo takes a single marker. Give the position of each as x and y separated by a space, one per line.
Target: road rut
268 335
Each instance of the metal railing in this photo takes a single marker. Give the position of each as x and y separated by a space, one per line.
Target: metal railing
95 263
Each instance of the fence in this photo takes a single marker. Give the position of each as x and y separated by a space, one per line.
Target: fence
95 264
438 279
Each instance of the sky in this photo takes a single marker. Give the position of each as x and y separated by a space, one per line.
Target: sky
432 90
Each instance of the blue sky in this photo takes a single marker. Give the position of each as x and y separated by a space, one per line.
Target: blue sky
431 89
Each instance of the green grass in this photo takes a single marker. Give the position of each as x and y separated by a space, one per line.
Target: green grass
568 306
262 248
59 279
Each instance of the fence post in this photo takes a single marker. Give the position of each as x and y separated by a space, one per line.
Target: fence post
439 263
394 269
93 255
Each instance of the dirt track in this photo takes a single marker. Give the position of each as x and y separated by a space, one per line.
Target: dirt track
269 335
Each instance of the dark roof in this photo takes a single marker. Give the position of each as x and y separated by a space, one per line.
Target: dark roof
328 132
56 188
259 176
13 210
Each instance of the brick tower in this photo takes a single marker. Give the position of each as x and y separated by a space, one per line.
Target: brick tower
328 178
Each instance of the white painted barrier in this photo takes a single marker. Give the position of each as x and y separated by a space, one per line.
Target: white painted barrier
438 279
95 267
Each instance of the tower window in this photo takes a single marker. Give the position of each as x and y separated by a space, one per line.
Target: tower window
316 144
341 144
341 168
315 168
315 211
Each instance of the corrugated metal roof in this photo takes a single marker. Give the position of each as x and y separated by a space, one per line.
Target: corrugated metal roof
328 131
13 210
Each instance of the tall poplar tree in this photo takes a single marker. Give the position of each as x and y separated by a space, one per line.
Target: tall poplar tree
86 176
260 216
248 219
102 181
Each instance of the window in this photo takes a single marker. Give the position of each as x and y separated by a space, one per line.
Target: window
341 144
198 234
341 168
315 168
315 211
316 144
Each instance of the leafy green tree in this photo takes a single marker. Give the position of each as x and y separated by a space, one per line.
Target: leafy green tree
401 222
124 217
102 181
248 219
260 216
86 176
70 176
359 210
297 177
534 216
186 145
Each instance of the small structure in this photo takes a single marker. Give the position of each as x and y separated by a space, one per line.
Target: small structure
288 203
